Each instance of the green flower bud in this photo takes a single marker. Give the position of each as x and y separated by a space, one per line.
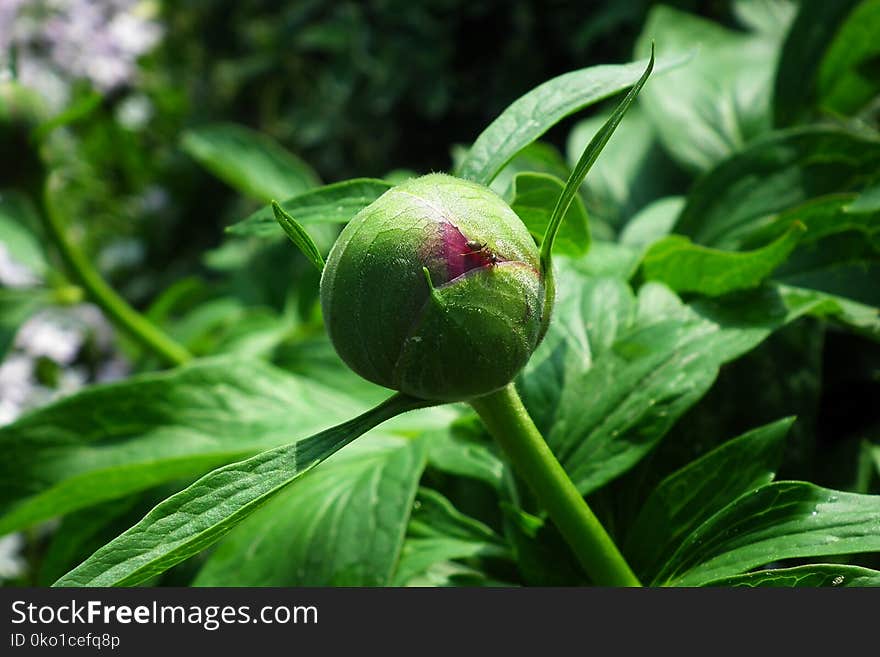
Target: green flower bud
435 290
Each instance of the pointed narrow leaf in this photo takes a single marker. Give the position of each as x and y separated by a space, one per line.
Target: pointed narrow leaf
784 520
335 203
688 497
688 267
195 518
298 236
588 157
813 575
533 114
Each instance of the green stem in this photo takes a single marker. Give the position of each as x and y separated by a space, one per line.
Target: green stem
113 305
509 422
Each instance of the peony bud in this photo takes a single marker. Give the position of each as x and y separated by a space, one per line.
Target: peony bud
435 290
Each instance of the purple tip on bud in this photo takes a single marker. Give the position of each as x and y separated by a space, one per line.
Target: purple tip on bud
461 254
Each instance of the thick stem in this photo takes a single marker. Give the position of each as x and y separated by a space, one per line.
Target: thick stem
509 422
116 308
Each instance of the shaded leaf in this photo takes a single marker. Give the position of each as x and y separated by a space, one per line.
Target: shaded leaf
251 162
688 497
774 174
783 520
812 31
848 75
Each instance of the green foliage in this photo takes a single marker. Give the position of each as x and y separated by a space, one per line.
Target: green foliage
715 270
687 267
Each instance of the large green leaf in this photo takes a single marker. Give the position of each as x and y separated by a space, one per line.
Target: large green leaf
805 45
108 441
251 162
774 174
534 197
783 520
335 203
716 104
533 114
688 267
342 525
195 518
616 370
848 76
813 575
688 497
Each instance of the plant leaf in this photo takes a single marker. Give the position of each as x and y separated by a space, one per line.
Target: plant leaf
812 575
343 525
335 203
774 174
588 157
298 236
109 441
688 267
720 101
805 44
688 497
633 169
783 520
193 519
615 371
448 452
533 114
653 222
866 202
847 77
251 162
534 197
438 532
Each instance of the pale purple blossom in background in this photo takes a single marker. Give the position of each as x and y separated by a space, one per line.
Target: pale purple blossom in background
58 41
